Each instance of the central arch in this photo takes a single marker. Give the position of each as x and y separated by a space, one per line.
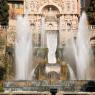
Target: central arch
50 18
53 5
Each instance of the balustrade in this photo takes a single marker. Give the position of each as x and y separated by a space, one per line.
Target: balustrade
65 86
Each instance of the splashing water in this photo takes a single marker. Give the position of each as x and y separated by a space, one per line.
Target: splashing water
71 72
78 52
23 47
70 58
85 55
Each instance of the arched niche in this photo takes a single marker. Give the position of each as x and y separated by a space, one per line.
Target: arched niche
53 6
50 10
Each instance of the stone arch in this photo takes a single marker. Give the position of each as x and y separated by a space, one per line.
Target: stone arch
54 75
52 4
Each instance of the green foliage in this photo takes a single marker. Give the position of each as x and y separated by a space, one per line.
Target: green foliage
41 52
4 12
59 53
91 12
1 87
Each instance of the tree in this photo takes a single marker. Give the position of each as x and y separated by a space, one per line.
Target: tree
4 15
91 12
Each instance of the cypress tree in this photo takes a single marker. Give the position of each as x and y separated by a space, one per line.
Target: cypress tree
4 14
91 12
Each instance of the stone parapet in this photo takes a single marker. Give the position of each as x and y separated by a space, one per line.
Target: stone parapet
69 86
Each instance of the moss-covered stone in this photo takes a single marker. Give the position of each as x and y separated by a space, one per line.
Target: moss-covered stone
1 87
43 53
40 52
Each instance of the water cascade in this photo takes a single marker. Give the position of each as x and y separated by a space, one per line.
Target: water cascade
23 47
52 46
42 31
71 73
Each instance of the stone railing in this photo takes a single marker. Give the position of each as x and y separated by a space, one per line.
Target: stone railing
41 86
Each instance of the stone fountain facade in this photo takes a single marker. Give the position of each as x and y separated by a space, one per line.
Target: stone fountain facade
59 16
49 15
56 16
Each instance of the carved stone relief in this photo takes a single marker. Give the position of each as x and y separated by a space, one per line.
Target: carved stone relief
36 4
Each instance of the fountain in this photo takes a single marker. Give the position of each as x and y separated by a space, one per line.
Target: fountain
69 54
42 32
23 47
71 73
85 55
52 46
52 65
79 52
